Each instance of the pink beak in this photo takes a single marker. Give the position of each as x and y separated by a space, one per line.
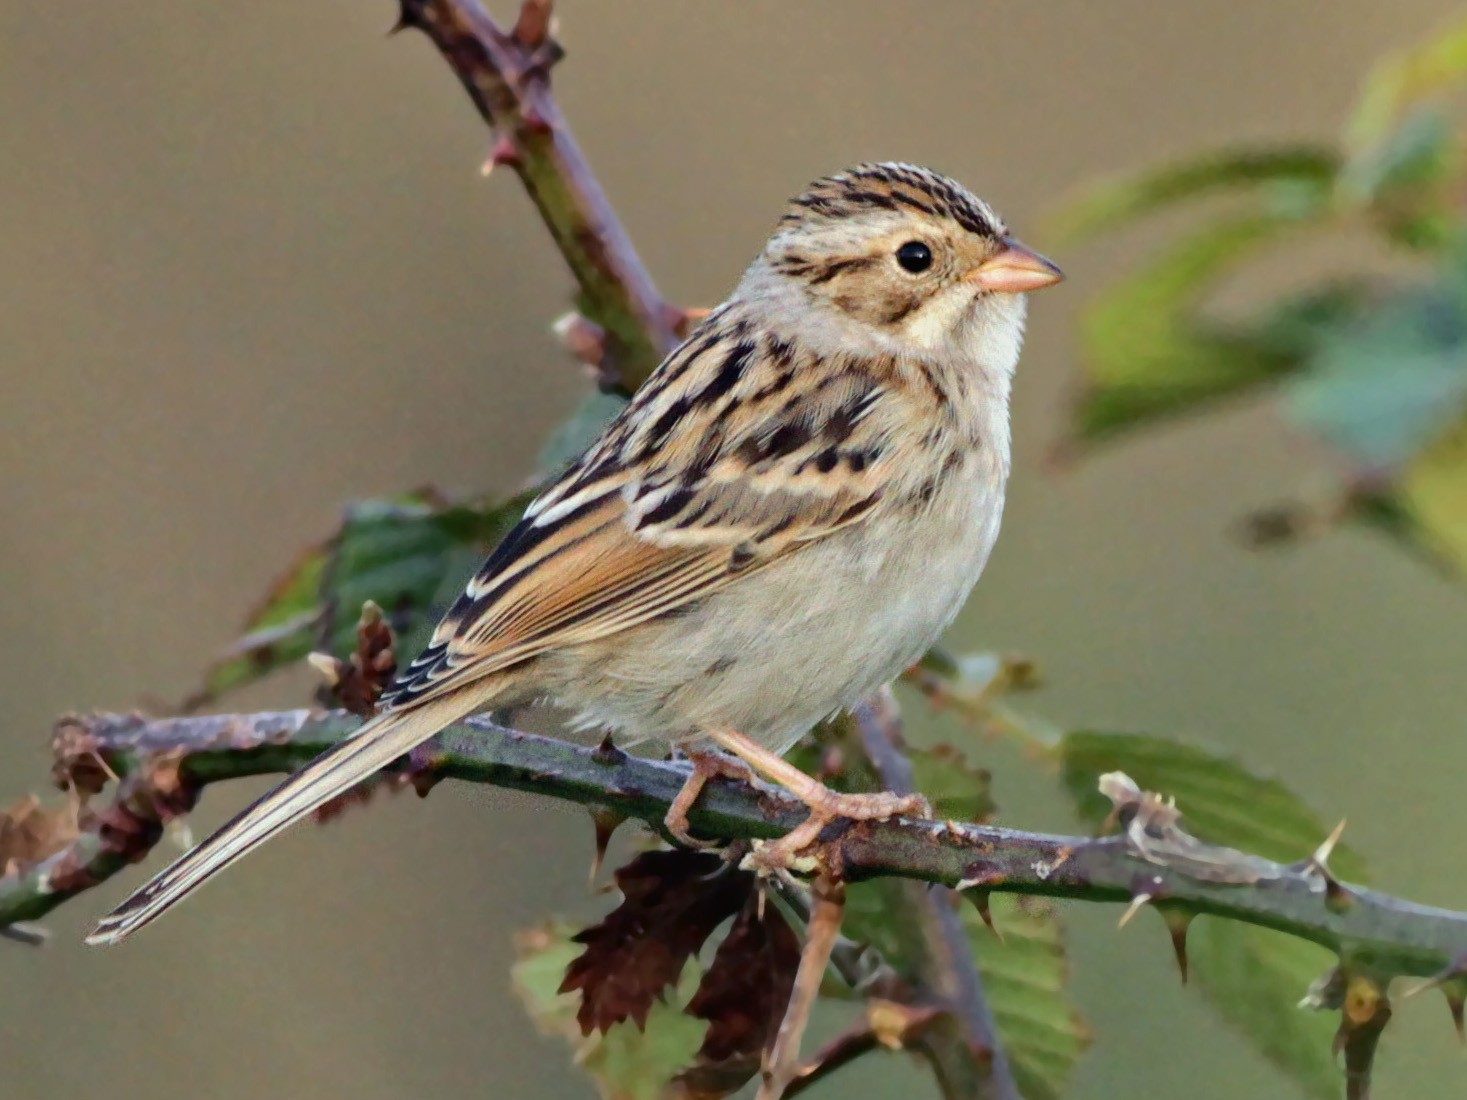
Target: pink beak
1015 270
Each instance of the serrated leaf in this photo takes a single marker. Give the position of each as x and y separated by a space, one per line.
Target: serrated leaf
1114 204
1253 976
625 1063
1024 975
403 555
1149 354
1024 978
957 789
1256 976
278 632
409 555
1222 802
671 903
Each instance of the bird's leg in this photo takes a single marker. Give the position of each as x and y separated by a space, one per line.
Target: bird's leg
706 765
825 804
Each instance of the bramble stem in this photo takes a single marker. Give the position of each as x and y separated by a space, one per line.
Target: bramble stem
164 763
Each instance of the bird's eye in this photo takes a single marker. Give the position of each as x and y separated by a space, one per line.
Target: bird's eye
914 256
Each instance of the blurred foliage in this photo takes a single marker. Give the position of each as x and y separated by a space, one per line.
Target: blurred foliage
1375 364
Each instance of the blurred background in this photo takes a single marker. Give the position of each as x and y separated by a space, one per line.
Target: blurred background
249 272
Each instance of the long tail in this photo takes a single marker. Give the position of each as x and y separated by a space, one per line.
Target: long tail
378 743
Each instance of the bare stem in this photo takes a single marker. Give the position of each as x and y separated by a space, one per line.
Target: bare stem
836 1054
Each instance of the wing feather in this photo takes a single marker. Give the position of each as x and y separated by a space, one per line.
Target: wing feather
722 463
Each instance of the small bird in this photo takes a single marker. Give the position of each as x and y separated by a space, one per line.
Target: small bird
786 515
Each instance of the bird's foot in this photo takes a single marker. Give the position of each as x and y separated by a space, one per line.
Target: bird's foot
707 765
792 852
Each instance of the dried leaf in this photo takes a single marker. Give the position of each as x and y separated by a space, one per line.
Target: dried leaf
29 833
744 993
360 795
671 903
626 1062
358 682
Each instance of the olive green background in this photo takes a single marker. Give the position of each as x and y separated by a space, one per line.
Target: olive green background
249 271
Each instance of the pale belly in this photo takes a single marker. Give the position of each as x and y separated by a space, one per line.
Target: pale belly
816 631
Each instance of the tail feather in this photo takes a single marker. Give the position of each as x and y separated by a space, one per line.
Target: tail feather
378 743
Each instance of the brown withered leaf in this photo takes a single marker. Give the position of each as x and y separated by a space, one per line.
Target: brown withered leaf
360 795
744 992
671 903
29 833
358 682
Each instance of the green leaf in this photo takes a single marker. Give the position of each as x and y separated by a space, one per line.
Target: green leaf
1254 976
1386 387
957 789
584 426
626 1063
1148 354
1112 205
1024 974
1417 154
410 555
1427 506
1434 493
1222 802
1024 978
1405 79
278 632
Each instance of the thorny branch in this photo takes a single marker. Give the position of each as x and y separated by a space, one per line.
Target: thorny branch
507 75
976 1063
163 764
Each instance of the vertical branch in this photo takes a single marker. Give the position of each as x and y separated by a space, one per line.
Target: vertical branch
507 75
964 1049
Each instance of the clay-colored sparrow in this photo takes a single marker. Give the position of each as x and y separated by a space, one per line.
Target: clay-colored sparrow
787 514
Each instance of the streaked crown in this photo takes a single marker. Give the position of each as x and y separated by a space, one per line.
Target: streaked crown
895 187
